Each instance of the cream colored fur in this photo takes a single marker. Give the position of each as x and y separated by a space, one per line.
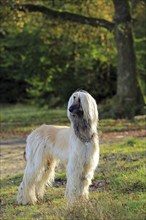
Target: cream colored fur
47 145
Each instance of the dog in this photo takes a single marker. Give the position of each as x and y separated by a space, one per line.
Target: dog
76 145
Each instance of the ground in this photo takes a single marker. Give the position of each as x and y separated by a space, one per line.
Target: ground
118 189
12 151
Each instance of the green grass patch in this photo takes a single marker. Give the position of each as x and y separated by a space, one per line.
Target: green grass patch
18 120
31 115
117 192
111 125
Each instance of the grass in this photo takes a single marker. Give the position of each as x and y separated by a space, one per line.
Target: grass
117 191
18 120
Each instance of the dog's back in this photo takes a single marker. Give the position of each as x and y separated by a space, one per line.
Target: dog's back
54 140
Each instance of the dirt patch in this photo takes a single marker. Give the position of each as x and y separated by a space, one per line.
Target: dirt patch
120 135
12 161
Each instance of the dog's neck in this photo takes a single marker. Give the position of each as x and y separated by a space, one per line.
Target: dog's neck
85 139
83 129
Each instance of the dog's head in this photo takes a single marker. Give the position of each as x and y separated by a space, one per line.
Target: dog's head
82 105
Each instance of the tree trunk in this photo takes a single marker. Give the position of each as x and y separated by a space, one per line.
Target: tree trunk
129 100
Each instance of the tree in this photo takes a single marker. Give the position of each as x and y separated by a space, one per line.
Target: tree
128 100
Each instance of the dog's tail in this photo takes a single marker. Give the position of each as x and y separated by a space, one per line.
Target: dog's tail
26 151
24 155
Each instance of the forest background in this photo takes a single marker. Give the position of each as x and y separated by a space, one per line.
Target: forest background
51 48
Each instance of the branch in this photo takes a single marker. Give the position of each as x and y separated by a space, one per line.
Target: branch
65 16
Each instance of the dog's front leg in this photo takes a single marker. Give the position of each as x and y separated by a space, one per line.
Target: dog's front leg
75 175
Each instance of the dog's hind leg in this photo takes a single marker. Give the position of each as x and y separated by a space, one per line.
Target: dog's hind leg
26 192
33 173
47 177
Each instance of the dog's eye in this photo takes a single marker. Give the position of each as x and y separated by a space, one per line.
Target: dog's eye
74 97
79 100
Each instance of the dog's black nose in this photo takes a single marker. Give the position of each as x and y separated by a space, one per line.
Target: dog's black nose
71 109
74 109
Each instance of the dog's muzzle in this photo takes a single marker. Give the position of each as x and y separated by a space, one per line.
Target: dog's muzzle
75 110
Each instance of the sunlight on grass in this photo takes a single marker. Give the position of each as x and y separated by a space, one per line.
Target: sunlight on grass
117 191
19 120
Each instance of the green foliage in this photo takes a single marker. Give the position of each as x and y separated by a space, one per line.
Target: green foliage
45 60
140 42
50 70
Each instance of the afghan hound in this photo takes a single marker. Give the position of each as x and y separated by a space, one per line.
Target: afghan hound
77 145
